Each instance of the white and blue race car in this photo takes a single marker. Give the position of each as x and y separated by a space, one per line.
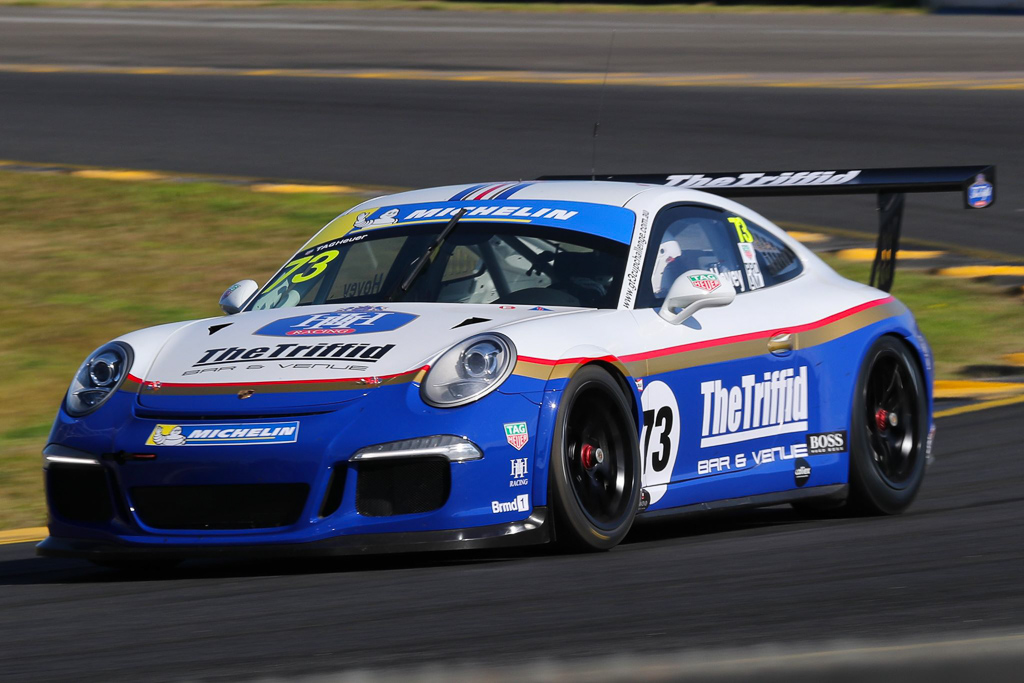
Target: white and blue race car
507 364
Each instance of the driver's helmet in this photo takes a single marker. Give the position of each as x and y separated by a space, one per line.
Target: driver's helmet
664 273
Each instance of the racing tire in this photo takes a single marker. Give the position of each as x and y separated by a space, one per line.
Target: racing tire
594 481
888 430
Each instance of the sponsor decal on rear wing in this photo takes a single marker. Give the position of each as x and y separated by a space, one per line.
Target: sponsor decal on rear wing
977 183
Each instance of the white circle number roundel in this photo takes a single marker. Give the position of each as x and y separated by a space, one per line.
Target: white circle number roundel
659 440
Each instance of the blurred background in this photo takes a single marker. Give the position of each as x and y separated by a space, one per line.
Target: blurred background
153 152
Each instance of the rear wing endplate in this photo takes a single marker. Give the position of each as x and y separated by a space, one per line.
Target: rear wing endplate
976 183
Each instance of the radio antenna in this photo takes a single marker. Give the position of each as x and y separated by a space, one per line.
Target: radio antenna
600 110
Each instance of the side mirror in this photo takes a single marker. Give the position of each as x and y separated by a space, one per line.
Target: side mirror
232 300
694 290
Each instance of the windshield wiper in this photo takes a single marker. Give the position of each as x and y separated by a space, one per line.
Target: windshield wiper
421 263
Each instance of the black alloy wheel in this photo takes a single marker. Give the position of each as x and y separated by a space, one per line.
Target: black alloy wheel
890 408
888 430
595 463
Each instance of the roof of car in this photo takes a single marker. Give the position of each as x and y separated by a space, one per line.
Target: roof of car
592 192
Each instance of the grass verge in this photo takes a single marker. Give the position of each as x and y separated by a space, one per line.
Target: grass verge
88 260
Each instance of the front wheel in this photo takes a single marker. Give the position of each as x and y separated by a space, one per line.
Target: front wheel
888 429
595 463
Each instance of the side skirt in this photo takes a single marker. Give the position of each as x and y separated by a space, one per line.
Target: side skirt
836 492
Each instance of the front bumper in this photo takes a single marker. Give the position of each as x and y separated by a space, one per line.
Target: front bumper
477 512
534 530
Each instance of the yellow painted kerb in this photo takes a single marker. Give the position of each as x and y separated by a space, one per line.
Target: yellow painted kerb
807 237
868 255
1014 359
955 388
31 535
980 271
106 174
295 188
984 405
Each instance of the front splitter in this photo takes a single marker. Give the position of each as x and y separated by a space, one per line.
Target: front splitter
534 530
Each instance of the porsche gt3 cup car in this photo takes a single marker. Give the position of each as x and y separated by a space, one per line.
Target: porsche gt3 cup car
511 363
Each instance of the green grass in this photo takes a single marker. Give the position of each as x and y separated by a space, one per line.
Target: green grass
754 6
966 323
87 260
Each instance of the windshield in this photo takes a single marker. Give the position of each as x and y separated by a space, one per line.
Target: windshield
480 263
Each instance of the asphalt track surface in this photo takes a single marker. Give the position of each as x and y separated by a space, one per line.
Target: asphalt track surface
950 565
381 131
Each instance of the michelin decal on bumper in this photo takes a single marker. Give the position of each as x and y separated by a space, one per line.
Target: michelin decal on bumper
250 434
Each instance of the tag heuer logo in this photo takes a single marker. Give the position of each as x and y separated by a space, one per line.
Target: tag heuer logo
516 435
708 283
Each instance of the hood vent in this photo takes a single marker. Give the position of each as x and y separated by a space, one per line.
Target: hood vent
471 321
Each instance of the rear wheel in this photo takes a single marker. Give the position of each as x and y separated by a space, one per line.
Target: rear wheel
889 426
595 463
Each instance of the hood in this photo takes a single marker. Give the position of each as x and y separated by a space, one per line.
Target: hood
305 355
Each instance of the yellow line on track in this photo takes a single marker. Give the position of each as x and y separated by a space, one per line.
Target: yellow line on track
722 80
32 535
984 405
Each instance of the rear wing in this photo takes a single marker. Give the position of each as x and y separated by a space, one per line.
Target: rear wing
976 183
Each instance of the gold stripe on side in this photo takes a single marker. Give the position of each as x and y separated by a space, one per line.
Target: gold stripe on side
544 371
713 354
848 325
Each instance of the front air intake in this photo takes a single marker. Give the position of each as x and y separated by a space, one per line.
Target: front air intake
79 493
402 486
233 506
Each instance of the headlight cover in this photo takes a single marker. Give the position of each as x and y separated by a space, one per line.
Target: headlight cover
469 370
102 373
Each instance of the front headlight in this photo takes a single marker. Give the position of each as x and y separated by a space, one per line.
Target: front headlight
98 378
468 371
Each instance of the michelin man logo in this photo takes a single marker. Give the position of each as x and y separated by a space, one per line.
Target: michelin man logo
168 435
389 217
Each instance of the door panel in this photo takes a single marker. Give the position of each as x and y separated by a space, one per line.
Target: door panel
729 396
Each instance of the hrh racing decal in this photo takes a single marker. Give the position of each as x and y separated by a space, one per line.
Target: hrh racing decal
659 438
250 434
346 320
755 408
